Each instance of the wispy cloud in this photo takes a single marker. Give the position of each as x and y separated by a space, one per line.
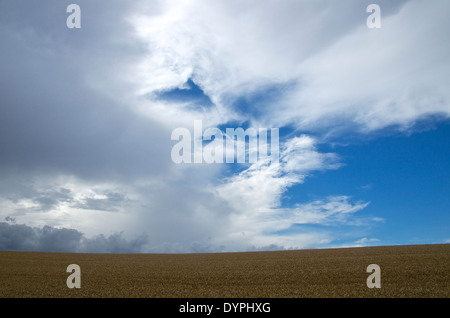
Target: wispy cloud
255 197
366 241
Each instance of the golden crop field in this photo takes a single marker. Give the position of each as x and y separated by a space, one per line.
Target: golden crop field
406 271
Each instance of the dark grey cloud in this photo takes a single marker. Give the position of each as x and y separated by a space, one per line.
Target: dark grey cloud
20 237
114 243
54 116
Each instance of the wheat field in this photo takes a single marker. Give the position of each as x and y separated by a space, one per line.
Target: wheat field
406 271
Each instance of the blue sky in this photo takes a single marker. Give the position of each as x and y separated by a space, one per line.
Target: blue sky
405 177
87 117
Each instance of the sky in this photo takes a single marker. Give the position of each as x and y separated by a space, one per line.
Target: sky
88 115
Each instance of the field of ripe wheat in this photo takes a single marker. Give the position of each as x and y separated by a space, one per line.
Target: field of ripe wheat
405 271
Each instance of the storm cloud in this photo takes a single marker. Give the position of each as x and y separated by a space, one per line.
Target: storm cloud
20 237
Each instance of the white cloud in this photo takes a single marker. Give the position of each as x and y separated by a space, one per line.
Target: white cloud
67 201
365 241
261 185
376 78
276 226
342 72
